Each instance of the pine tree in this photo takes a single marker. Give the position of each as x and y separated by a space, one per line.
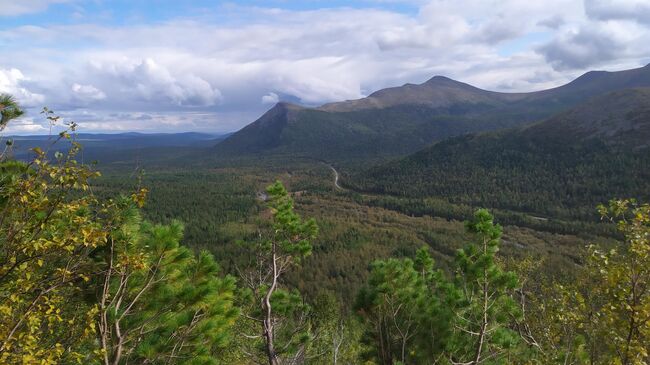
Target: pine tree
482 318
405 310
158 302
280 312
334 335
9 109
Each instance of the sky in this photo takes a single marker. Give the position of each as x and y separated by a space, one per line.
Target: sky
215 66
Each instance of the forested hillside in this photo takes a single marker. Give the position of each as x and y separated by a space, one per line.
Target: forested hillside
290 130
557 168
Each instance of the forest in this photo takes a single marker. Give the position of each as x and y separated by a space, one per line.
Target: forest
114 270
560 167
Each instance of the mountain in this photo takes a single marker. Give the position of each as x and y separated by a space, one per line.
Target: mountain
568 163
401 120
438 92
365 134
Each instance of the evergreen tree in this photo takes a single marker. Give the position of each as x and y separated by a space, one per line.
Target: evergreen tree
9 109
485 312
405 310
335 336
158 302
280 312
414 315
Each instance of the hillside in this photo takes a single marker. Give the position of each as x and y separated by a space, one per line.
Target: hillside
573 161
401 120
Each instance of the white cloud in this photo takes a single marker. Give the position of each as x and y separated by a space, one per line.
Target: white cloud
270 98
552 22
87 92
216 74
146 81
611 34
11 82
25 126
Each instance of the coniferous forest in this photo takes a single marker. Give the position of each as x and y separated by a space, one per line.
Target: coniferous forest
272 262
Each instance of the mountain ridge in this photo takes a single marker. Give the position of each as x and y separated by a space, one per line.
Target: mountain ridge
397 121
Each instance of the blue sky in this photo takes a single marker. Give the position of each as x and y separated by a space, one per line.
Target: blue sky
214 66
120 12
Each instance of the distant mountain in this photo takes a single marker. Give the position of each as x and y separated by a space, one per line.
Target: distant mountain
109 146
401 120
594 152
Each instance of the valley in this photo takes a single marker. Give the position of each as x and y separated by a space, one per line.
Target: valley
539 180
542 180
355 229
358 182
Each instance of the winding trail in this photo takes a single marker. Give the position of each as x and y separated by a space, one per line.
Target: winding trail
336 177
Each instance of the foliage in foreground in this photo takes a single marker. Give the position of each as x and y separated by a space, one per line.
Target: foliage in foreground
484 314
84 280
47 240
603 315
416 314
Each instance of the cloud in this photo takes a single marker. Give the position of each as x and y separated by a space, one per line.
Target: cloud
87 92
146 81
638 10
161 122
25 126
584 48
11 82
553 22
613 32
195 73
144 117
270 98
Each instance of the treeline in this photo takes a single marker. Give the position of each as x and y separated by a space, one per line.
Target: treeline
85 279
